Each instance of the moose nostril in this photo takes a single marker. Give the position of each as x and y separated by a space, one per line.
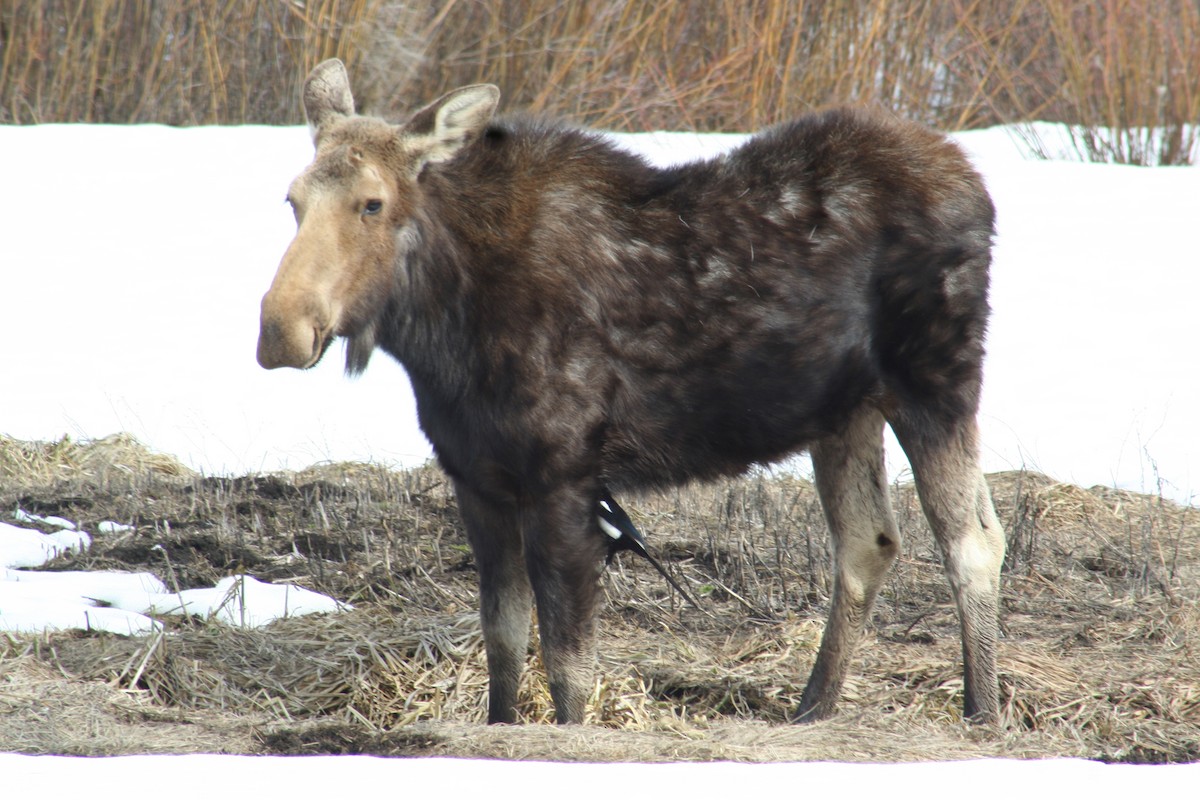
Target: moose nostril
268 336
318 345
277 349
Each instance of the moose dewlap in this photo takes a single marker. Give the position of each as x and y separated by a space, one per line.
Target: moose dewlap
574 320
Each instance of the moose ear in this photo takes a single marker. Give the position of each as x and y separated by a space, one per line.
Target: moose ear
444 126
327 95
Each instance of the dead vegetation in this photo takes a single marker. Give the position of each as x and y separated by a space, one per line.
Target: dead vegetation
1123 72
1100 617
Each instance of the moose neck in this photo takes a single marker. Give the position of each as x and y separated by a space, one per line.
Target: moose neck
430 323
488 285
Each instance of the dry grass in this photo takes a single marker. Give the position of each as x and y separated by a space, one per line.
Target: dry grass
1125 75
42 711
184 63
729 65
1125 72
119 457
1100 614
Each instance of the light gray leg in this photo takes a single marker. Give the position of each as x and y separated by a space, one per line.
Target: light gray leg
505 599
852 483
958 505
564 554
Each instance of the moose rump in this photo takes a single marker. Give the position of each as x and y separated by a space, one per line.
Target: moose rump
574 320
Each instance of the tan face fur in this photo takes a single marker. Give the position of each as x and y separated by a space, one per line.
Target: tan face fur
341 254
352 206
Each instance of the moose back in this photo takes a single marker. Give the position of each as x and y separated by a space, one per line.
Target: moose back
573 320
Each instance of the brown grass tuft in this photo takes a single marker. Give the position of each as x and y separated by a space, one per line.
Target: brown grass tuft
96 462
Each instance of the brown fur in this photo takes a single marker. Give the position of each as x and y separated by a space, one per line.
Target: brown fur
572 318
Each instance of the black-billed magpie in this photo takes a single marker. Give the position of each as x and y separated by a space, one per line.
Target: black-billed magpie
624 535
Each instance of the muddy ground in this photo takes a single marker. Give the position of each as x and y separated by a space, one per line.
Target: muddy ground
1100 657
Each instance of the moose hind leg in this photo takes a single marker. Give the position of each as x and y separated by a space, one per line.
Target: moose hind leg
852 482
564 554
505 599
945 460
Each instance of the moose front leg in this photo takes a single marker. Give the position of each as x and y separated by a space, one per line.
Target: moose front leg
505 600
564 552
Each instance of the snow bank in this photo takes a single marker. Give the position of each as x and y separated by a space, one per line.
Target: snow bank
144 319
322 777
121 602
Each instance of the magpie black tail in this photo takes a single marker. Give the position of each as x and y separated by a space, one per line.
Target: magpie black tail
624 535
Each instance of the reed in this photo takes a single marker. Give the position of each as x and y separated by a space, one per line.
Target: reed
1124 75
1127 73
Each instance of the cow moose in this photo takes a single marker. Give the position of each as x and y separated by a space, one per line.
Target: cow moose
573 320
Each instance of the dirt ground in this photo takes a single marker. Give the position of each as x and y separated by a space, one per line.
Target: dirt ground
1100 657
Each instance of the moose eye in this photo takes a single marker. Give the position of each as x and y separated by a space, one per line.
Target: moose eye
372 207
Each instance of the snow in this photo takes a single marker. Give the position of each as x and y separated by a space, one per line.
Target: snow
122 602
128 603
142 253
25 547
192 776
56 522
246 602
133 262
69 602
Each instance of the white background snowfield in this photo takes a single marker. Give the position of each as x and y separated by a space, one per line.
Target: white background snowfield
133 262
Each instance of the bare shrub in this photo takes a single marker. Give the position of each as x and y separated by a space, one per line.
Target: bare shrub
1125 74
189 62
639 65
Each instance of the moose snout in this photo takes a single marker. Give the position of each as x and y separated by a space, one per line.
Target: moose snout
277 349
289 340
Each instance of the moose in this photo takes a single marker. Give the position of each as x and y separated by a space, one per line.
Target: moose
574 320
